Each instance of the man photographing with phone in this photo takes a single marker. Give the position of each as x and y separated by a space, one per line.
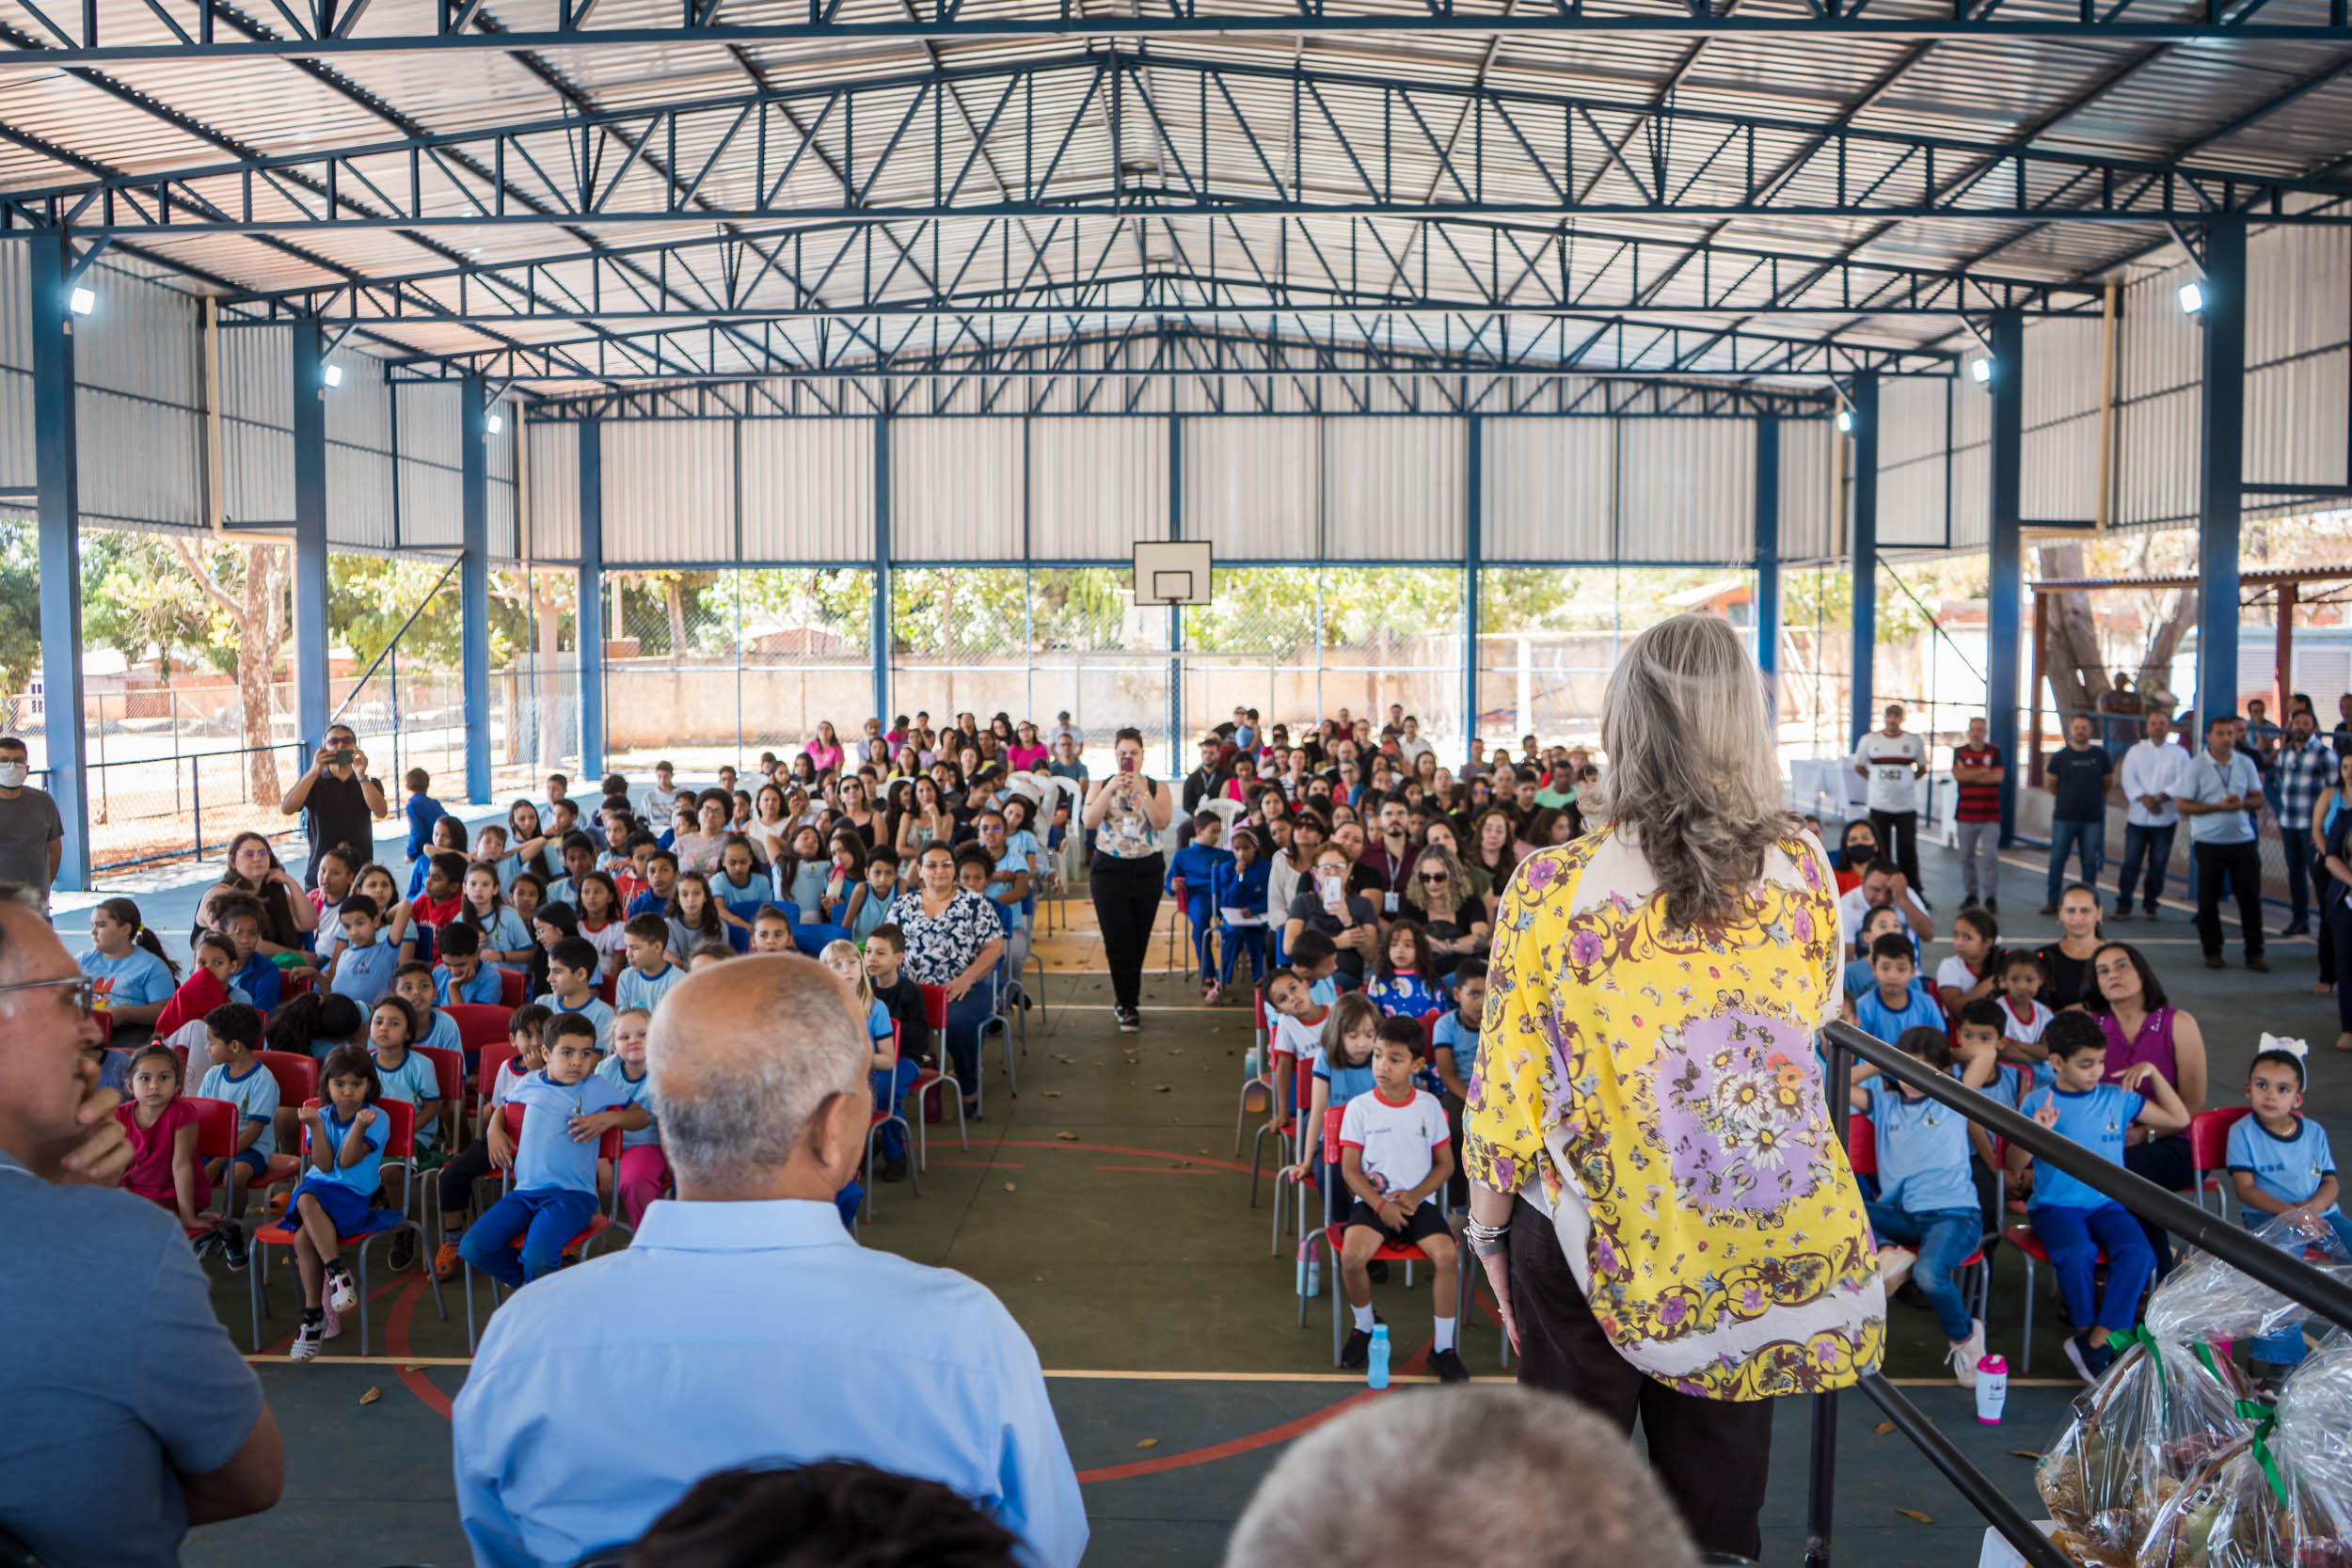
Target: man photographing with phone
337 798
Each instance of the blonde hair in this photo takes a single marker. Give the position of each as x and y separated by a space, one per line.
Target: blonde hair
865 988
1691 769
645 1013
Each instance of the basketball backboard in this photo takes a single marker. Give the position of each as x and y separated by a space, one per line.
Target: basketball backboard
1171 572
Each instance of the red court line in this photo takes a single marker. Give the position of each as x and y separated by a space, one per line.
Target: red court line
1256 1440
287 1344
396 1346
1164 1170
985 1165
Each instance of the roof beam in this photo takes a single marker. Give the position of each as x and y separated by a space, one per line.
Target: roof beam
85 34
1373 149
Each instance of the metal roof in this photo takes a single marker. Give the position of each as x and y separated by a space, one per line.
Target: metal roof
728 188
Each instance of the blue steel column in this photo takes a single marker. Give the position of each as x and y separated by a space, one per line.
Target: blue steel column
1473 553
1865 549
58 504
310 535
591 597
878 632
2006 594
1175 612
473 580
2220 440
1768 554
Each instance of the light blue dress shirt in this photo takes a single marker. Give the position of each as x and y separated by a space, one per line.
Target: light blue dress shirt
602 1392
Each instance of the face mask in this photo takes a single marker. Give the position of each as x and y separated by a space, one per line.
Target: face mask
11 775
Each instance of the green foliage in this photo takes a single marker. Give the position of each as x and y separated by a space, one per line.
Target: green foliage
20 605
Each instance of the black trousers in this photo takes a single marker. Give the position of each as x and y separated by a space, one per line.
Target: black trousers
1126 898
2242 864
2168 1164
1712 1456
1898 841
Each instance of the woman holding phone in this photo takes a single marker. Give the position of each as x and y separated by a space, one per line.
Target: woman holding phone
1323 904
1127 816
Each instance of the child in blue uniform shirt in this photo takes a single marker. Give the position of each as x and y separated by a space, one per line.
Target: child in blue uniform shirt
1893 1005
890 1070
2075 1221
1197 865
1238 888
421 810
344 1160
1926 1216
2282 1165
566 1110
362 967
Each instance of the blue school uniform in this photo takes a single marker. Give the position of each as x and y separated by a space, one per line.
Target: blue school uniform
612 1071
342 1190
1920 1010
594 1009
422 812
483 989
1461 1041
2076 1221
261 982
412 1084
255 1096
1346 1083
441 1033
555 1180
137 979
505 932
365 973
889 1087
636 989
2288 1170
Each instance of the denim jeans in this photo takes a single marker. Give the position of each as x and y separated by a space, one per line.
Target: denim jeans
2297 845
544 1217
1980 861
889 1089
2090 839
1944 1237
2154 846
2074 1238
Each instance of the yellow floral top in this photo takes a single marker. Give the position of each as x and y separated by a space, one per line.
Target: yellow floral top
1656 1092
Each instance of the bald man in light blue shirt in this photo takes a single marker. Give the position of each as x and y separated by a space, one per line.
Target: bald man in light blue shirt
744 1323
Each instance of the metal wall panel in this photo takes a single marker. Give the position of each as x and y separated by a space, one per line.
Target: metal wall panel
1970 471
2298 317
1685 490
143 339
432 490
16 307
17 469
141 463
2297 415
2296 297
359 467
2060 482
1096 485
956 489
669 491
257 425
2162 348
1548 490
1395 489
1808 490
2063 375
505 541
551 494
1913 434
2156 468
808 490
1253 488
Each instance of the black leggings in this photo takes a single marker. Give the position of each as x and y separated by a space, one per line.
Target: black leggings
1126 898
466 1168
2167 1163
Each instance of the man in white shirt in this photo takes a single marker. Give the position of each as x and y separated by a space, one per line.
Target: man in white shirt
1884 886
1410 745
2150 818
1892 761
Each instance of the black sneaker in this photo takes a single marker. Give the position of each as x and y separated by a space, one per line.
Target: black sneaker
1992 906
2214 960
2259 964
233 1250
1357 1353
1448 1367
1377 1272
1130 1020
205 1242
402 1251
895 1170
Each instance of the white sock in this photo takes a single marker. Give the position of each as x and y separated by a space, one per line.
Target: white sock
1363 1317
1445 1334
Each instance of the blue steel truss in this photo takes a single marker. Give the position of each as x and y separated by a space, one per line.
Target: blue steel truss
86 33
890 150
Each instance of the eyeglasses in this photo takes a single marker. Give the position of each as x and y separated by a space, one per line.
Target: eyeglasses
83 997
1433 877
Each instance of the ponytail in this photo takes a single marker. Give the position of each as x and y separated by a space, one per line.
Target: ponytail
122 911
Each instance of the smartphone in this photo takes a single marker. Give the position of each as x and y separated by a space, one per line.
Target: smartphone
1334 894
1126 765
340 757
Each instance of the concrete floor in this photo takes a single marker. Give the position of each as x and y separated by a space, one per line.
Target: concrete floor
1105 1207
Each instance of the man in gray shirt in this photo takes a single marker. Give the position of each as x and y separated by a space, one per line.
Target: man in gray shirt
2215 792
125 1413
32 838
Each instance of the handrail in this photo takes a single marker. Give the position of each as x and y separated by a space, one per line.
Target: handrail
2281 1270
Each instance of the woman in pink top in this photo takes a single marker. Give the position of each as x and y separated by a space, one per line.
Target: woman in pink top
1025 754
824 751
162 1129
2129 1002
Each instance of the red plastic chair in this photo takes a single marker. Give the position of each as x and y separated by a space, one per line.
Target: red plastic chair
449 1080
883 1116
936 1080
608 989
1861 1157
1257 1092
1331 1236
514 988
216 1138
297 1079
608 1148
2209 1152
400 1147
480 1024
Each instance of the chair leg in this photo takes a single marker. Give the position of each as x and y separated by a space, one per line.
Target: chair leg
363 1251
253 1294
872 1180
2024 1359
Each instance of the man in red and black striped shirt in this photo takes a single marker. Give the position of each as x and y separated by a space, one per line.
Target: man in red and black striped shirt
1976 768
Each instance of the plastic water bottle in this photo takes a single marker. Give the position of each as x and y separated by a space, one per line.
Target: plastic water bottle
1378 1373
1991 1389
1309 1274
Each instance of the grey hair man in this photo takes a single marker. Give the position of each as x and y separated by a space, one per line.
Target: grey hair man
744 1323
1543 1481
125 1413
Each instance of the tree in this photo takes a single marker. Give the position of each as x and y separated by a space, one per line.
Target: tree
20 608
248 586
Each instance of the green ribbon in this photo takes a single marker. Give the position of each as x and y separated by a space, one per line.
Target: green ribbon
2123 1340
2265 1417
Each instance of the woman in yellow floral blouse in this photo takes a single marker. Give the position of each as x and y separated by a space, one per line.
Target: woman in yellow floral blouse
1657 1195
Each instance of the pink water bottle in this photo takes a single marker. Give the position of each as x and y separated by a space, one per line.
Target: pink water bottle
1991 1389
